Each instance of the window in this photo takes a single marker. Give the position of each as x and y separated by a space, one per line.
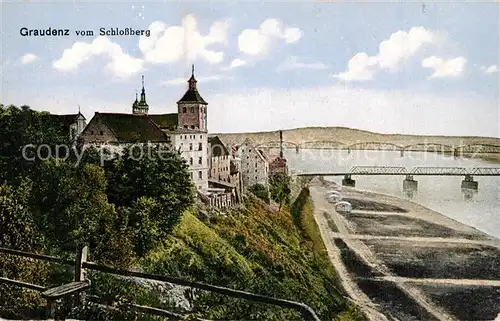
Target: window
101 133
185 126
201 137
190 146
192 109
192 126
184 109
192 176
73 133
200 160
191 161
91 132
200 146
200 175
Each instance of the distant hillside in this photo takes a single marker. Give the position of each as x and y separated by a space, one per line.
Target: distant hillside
350 136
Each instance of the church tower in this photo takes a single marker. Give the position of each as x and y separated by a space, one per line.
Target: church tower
192 108
140 107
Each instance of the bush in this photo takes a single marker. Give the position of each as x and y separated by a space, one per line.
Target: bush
260 191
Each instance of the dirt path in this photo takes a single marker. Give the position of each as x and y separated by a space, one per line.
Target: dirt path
344 225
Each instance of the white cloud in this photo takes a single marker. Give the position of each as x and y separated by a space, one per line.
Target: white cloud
238 63
120 64
392 55
395 111
361 67
28 58
257 42
182 80
169 44
490 70
445 68
292 63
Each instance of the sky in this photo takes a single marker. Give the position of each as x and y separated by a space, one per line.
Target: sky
391 67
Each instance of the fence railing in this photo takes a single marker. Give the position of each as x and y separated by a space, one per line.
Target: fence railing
80 285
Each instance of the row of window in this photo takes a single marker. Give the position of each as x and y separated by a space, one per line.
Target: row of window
200 160
191 136
200 175
192 127
200 146
202 109
100 133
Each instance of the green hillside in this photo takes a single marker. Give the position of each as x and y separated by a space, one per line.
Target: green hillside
279 254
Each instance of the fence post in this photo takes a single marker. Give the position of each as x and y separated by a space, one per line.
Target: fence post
80 273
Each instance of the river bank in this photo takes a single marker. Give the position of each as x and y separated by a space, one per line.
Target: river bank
401 261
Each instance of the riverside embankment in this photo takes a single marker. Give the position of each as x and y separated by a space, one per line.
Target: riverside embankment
401 261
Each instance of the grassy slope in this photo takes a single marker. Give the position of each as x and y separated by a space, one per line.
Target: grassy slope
254 249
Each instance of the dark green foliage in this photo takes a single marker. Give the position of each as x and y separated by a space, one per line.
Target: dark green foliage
279 188
155 189
18 230
20 127
260 191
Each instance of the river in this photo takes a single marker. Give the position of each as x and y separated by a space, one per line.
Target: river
440 193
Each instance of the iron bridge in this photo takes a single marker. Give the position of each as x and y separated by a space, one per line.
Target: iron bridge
416 171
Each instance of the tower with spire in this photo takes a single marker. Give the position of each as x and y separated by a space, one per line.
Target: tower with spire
192 108
140 107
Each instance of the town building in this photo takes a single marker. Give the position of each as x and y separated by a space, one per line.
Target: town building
73 124
186 130
224 169
254 164
279 165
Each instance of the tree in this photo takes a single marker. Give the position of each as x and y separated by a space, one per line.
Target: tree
18 231
72 209
158 174
23 126
260 191
279 187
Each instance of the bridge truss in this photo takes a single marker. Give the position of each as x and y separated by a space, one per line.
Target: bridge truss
416 171
378 170
381 146
439 171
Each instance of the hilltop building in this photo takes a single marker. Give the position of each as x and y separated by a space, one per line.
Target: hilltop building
254 164
224 168
73 124
186 130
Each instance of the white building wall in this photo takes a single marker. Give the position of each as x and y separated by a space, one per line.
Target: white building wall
254 169
195 155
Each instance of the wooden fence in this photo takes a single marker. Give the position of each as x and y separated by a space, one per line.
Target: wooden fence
80 285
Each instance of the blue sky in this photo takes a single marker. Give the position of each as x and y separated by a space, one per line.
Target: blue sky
409 68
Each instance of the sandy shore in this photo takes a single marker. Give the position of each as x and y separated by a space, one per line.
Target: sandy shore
401 261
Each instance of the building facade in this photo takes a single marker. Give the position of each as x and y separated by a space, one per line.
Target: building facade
73 124
254 164
186 130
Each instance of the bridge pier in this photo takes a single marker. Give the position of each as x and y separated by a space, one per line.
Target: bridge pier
409 184
469 183
348 181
